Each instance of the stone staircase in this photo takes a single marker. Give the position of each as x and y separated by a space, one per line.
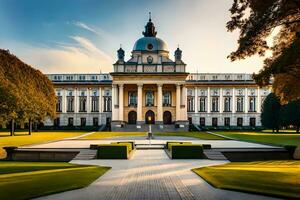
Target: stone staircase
145 128
214 154
86 154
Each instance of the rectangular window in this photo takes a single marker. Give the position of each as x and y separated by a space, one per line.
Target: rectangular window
252 104
70 104
215 104
70 121
57 122
95 121
240 104
227 104
82 121
252 122
239 121
190 104
202 104
214 121
82 104
227 121
107 104
202 121
132 99
95 104
59 104
167 99
149 99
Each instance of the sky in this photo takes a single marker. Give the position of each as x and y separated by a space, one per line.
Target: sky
82 36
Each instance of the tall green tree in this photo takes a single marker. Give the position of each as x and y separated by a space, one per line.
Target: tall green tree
25 93
270 116
256 20
290 114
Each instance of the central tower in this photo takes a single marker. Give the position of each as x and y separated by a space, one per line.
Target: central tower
149 88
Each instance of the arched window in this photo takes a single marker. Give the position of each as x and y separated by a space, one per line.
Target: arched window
240 104
149 98
82 104
215 104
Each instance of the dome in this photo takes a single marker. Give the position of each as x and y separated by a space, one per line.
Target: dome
150 44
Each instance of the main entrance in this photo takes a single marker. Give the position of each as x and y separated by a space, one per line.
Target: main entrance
132 117
150 117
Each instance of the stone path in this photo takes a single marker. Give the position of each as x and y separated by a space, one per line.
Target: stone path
150 174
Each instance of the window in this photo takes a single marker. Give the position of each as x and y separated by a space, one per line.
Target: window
202 104
82 121
167 99
202 121
81 77
57 122
149 98
240 104
214 121
252 104
70 121
239 121
95 104
190 104
82 104
70 104
132 99
227 106
215 104
59 104
227 121
252 121
95 121
107 104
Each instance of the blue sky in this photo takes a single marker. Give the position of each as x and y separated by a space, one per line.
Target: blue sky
68 36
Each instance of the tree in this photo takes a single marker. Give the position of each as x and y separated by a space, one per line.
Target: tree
270 116
257 20
290 114
25 93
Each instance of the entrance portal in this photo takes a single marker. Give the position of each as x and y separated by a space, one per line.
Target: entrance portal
150 117
132 117
167 117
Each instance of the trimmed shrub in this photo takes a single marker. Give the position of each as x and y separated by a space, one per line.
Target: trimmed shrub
187 151
128 144
168 144
131 142
113 151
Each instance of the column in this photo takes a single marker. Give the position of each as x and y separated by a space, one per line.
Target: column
246 100
159 103
140 103
100 105
184 103
88 101
178 97
115 114
208 100
233 101
196 100
121 104
221 100
258 108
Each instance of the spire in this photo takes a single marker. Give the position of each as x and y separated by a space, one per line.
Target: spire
150 28
178 54
121 53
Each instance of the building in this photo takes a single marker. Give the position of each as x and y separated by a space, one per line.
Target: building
151 88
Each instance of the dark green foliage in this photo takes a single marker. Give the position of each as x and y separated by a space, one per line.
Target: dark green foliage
126 142
290 114
113 151
187 151
168 144
270 116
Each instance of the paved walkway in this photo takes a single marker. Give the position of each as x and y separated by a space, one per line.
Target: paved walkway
150 174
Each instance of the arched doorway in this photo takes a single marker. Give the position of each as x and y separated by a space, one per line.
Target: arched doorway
132 117
167 117
150 117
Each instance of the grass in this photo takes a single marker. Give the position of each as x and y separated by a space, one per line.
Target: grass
274 178
103 135
198 135
26 180
280 139
35 138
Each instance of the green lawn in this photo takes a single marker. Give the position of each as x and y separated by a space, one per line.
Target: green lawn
36 137
262 137
26 180
275 178
102 135
199 135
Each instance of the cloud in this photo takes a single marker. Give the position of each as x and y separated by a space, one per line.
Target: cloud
80 57
86 27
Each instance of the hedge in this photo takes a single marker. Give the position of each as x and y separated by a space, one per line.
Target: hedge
187 151
113 151
131 142
168 144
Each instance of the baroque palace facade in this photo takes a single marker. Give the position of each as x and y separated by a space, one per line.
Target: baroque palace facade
151 88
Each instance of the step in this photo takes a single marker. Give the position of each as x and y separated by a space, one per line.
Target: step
214 155
148 146
86 155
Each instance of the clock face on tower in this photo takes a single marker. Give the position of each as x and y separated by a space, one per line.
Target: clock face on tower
149 59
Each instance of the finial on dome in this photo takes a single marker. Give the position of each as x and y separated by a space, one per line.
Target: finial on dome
149 28
149 16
